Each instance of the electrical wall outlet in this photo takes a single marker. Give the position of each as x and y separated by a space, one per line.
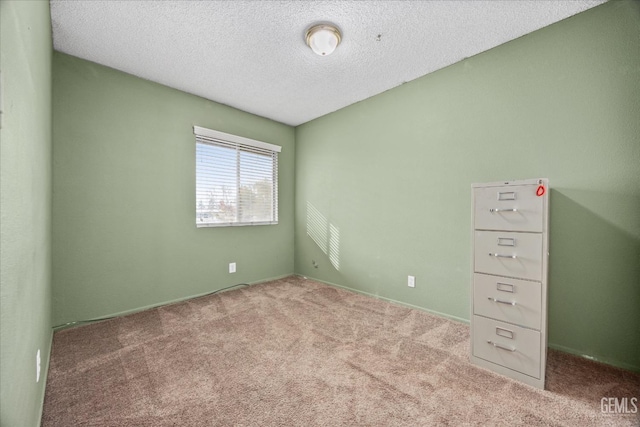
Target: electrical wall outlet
411 281
38 366
232 267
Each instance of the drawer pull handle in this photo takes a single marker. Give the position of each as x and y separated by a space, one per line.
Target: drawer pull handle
498 210
503 347
501 301
502 256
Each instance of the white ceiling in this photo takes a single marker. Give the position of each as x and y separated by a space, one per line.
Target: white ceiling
252 55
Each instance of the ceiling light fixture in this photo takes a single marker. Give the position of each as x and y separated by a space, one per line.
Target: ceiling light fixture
323 38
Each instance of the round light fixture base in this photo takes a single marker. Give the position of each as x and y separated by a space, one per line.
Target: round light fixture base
323 38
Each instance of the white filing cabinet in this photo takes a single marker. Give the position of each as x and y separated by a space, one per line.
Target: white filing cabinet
509 290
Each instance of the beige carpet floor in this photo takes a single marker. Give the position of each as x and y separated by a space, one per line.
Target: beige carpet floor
295 352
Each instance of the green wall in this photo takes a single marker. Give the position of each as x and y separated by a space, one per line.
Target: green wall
383 186
124 196
25 208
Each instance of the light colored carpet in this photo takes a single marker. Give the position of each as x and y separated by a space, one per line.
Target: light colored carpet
295 352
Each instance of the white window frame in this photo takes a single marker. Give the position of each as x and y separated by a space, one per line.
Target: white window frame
221 139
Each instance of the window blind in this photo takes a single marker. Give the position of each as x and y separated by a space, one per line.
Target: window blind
236 180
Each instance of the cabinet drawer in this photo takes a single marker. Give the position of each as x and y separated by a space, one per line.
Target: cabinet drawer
509 254
507 345
494 208
509 300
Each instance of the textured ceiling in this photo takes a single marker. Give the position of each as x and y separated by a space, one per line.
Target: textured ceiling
251 54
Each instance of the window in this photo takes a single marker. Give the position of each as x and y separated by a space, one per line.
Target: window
236 180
